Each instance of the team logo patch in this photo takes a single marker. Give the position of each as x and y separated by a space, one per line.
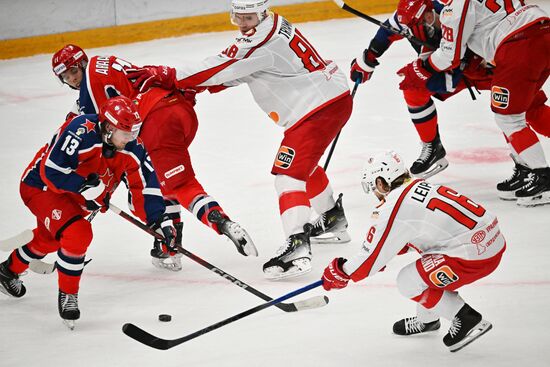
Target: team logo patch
284 157
56 214
443 276
174 171
500 97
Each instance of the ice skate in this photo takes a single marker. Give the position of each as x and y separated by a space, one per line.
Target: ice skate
467 326
412 326
537 190
431 161
163 260
235 233
331 226
10 284
507 188
68 308
292 259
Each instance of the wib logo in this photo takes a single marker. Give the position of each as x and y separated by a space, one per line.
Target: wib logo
500 97
443 276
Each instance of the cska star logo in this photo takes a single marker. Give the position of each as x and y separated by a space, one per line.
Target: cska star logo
89 126
107 177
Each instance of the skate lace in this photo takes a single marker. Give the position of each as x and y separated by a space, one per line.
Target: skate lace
413 326
426 152
530 180
320 222
70 302
455 327
16 285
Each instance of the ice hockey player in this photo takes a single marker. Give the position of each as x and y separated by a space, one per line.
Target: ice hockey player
74 175
517 38
458 241
169 127
300 91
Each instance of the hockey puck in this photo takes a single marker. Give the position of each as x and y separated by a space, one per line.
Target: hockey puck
165 318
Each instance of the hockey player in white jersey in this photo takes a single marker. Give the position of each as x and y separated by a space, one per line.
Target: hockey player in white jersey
458 240
516 37
300 91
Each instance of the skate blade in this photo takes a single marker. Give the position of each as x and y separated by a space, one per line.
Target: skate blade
327 238
480 329
300 267
536 200
165 265
69 324
507 195
435 168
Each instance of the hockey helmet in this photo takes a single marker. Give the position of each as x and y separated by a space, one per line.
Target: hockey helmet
411 12
387 165
258 7
68 56
122 115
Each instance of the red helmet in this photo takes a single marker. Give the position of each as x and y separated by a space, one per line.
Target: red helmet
121 113
410 12
68 56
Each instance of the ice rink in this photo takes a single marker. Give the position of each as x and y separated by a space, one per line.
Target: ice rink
233 152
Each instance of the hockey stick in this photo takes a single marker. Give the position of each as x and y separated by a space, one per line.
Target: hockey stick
357 82
10 244
152 341
341 4
313 302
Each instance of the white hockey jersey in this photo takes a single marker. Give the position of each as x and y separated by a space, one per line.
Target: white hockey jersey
287 77
429 219
482 25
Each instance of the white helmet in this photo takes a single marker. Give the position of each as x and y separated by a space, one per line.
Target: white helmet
249 6
387 165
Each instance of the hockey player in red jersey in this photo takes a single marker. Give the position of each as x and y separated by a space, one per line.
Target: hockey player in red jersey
169 127
517 38
74 175
458 240
301 92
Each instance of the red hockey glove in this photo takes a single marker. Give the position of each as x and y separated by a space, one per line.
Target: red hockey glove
152 76
93 190
363 67
415 76
334 276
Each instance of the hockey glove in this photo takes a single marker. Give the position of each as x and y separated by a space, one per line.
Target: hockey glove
164 227
363 67
334 276
95 193
415 76
152 76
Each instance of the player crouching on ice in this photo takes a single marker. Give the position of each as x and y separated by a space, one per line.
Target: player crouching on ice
458 240
74 175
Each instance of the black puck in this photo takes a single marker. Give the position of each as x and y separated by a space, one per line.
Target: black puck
165 318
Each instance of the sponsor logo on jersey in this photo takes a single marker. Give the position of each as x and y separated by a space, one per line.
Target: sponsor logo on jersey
443 276
56 214
500 97
430 262
47 223
80 131
478 237
174 171
284 157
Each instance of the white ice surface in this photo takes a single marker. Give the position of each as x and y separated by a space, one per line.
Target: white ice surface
232 153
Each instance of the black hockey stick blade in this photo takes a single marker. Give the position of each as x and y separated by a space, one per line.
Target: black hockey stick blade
152 341
314 302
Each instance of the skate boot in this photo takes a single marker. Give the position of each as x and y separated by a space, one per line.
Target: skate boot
164 260
292 259
411 326
467 326
331 226
10 284
68 308
537 190
431 161
507 188
234 232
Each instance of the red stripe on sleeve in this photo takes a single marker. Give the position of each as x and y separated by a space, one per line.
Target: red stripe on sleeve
365 268
458 44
